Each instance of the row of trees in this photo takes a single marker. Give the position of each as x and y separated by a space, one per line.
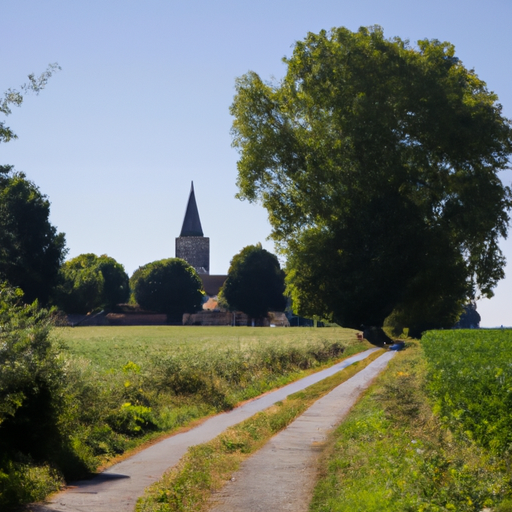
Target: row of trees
255 285
88 282
32 254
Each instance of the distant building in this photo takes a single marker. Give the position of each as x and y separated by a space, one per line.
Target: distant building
194 247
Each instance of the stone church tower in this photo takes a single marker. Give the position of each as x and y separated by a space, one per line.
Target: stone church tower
191 245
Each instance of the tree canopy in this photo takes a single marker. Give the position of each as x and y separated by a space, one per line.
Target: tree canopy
31 249
255 283
169 286
378 164
90 282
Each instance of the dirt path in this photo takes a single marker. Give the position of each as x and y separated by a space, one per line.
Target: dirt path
281 476
117 489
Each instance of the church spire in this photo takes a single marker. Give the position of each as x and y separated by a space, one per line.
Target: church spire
191 223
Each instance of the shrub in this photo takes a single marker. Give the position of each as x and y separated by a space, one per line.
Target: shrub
31 379
32 402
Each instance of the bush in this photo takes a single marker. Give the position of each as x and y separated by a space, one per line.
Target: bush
32 402
31 379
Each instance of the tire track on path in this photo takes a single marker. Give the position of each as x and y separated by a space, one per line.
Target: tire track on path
118 488
281 476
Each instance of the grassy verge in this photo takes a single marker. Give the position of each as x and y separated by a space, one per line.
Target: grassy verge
206 468
132 389
392 453
115 389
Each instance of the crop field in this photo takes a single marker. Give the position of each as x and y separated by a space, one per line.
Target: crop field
433 434
113 347
470 381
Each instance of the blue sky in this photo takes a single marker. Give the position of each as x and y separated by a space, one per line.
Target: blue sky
141 107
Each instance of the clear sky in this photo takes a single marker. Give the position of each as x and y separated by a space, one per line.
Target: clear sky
141 107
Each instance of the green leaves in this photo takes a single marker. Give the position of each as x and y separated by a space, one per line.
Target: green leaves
32 380
360 128
89 282
255 283
31 249
168 286
471 382
15 98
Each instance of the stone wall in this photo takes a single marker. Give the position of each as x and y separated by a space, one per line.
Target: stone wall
195 250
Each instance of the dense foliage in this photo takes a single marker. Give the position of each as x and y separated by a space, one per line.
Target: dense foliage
169 286
470 380
32 402
378 164
470 318
90 282
255 283
31 249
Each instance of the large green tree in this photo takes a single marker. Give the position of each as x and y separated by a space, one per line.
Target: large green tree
169 286
31 249
378 164
255 283
90 282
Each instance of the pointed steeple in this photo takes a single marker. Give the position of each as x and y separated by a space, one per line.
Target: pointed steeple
191 223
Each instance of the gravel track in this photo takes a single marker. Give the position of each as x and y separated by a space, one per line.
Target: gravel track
281 476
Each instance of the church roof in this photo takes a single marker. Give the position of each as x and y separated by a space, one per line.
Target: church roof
191 223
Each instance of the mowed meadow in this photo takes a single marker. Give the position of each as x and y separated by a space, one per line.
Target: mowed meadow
124 386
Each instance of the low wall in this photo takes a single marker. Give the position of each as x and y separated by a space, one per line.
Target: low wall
237 319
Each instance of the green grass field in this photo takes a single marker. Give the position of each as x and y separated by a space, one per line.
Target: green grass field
113 347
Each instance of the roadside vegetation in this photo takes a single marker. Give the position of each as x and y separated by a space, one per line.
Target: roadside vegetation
206 468
95 393
431 435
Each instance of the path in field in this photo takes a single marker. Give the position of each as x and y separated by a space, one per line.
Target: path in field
281 476
117 488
